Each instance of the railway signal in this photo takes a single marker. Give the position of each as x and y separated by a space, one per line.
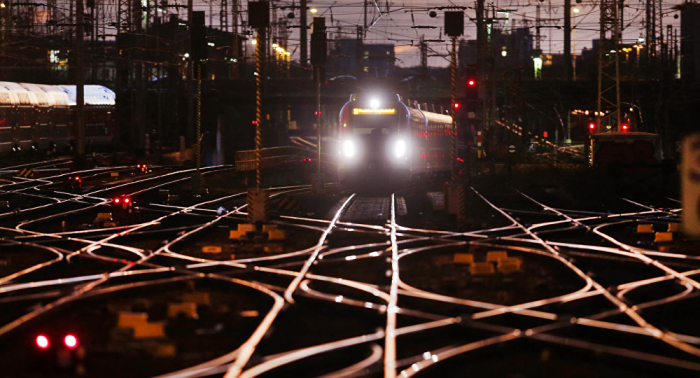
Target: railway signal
122 203
72 183
591 126
471 89
625 127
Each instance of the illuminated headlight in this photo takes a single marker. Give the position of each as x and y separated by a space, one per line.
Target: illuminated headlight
349 148
400 148
374 103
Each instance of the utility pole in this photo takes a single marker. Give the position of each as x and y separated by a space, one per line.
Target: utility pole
79 82
364 28
568 67
303 24
198 40
423 57
259 198
236 38
453 107
319 52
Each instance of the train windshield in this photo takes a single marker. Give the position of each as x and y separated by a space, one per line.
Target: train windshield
373 123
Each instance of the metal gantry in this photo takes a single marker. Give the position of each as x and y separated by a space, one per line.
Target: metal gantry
608 103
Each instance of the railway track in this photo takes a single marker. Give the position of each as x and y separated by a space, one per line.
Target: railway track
353 290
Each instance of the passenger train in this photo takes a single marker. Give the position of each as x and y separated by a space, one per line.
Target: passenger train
37 117
380 136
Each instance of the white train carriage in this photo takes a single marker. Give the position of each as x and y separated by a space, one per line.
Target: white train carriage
38 117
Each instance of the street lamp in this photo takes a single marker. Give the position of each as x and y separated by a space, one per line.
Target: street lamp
573 40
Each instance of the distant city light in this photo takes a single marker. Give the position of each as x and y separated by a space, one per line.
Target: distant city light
254 42
504 53
313 10
576 10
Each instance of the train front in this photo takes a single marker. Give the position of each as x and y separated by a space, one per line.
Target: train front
374 139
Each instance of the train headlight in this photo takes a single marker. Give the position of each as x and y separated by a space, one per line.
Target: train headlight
400 148
374 103
349 149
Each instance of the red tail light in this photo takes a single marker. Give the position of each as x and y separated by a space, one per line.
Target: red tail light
42 341
126 200
116 200
70 341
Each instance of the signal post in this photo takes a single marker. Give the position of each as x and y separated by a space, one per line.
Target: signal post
258 198
455 192
318 60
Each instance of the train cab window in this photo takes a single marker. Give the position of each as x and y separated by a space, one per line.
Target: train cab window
371 130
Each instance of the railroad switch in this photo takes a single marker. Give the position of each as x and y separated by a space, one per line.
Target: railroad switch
496 256
645 228
200 298
481 268
464 258
186 309
104 220
253 239
162 350
212 249
140 326
663 237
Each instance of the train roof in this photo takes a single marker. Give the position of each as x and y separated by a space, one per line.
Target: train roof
93 94
622 135
27 94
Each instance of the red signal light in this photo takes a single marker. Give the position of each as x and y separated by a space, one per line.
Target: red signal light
70 341
591 126
457 105
42 341
471 82
625 128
